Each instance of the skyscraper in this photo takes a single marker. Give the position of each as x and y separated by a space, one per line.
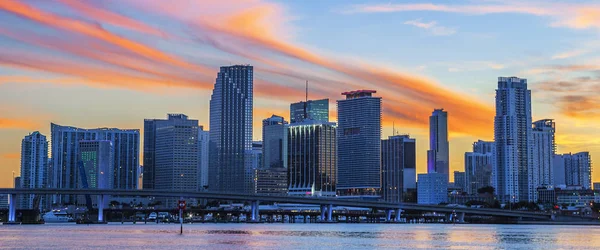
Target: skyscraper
438 156
516 178
65 151
397 160
231 129
34 160
312 165
359 145
577 169
274 142
203 138
544 149
478 166
254 161
97 160
311 109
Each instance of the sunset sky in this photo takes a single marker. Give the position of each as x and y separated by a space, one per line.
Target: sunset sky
112 63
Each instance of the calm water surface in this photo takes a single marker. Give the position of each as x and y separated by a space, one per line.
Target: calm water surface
299 236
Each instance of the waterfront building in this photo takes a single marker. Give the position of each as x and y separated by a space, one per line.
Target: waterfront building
254 161
516 178
65 152
596 186
438 154
34 164
359 145
203 139
311 109
460 180
312 168
272 181
231 130
544 148
96 159
3 201
432 188
274 142
478 166
397 160
574 169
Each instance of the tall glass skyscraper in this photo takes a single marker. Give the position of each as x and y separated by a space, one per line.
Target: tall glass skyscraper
544 148
34 163
438 154
359 145
397 160
65 150
312 158
312 109
274 142
514 171
231 130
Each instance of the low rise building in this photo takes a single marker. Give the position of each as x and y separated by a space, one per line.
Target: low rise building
432 188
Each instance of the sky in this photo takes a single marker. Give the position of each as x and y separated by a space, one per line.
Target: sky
113 63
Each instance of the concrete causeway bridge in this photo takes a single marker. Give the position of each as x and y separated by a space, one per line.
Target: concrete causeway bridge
326 204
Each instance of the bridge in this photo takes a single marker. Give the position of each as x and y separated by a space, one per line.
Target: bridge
326 204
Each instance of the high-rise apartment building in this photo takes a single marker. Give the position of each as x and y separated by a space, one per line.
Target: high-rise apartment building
274 142
577 169
438 154
544 148
312 168
478 166
359 145
432 188
397 160
65 151
254 161
460 180
231 130
516 178
312 109
34 163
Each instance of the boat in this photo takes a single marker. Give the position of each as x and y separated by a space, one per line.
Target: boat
57 216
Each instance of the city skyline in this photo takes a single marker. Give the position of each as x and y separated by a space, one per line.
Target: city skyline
66 84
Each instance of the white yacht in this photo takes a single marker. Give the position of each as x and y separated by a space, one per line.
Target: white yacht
57 216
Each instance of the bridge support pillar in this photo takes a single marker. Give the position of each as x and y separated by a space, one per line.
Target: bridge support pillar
101 208
398 214
329 212
388 215
323 210
461 217
12 209
255 215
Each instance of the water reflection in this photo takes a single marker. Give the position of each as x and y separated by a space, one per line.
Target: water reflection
300 236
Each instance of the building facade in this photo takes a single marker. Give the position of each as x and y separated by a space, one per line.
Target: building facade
96 161
397 159
438 154
460 180
65 152
231 130
544 149
272 181
359 145
577 169
274 142
432 188
312 109
312 163
478 166
34 164
203 139
516 178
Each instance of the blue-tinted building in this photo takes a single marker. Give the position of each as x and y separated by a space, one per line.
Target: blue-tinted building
34 164
312 109
359 145
231 130
397 165
438 154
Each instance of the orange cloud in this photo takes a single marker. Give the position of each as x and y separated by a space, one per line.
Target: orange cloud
11 156
95 31
12 123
